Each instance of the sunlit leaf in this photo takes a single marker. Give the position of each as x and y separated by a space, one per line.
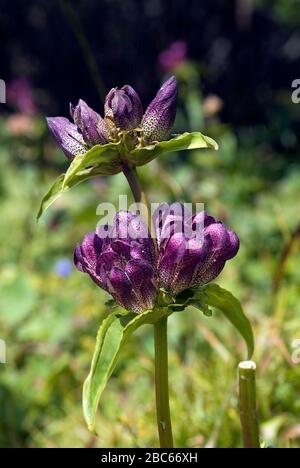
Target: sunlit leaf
58 188
113 334
105 157
186 141
106 160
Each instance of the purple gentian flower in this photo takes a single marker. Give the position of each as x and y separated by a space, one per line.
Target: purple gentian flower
67 136
122 258
189 260
124 108
160 115
123 112
89 129
94 129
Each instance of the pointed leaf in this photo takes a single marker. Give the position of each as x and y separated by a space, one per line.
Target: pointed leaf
58 188
113 334
104 157
217 297
186 141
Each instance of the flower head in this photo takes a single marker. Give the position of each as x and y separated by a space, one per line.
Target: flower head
161 112
123 121
124 108
189 258
122 258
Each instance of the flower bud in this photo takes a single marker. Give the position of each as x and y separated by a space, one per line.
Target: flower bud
186 262
124 108
93 128
67 136
159 117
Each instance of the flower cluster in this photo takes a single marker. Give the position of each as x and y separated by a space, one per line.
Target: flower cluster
123 259
123 111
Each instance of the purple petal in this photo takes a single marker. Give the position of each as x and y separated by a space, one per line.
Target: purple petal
139 272
121 248
170 258
120 288
160 115
224 246
124 108
141 275
202 219
234 245
137 108
107 260
67 136
78 259
91 249
91 124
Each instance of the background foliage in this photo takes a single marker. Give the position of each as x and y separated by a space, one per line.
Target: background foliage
235 85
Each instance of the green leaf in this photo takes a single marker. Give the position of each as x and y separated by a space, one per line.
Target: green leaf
105 160
105 157
217 297
58 188
113 334
53 193
186 141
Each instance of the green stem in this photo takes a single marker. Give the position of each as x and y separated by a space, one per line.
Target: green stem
139 196
248 412
161 384
160 335
134 184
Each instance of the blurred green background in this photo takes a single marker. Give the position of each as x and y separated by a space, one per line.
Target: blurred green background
235 62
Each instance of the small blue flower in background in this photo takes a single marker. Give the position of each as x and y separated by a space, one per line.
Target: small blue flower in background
63 267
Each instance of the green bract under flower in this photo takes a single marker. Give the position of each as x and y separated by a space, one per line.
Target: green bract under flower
109 159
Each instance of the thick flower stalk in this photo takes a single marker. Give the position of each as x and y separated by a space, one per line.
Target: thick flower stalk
122 258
